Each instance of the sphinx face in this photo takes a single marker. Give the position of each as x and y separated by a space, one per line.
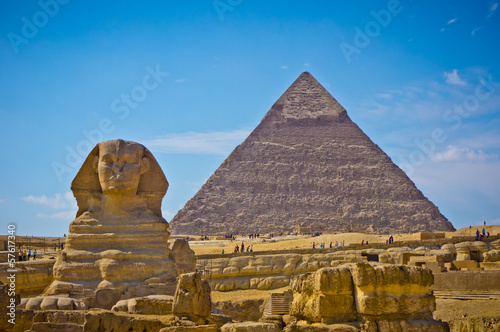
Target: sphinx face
120 166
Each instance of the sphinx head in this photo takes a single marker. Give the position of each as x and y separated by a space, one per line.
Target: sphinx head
120 167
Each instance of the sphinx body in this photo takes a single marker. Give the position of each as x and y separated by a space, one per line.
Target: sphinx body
119 238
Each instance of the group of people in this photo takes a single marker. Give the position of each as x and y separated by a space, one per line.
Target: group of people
229 236
363 242
482 235
25 255
253 236
237 248
58 245
322 245
390 240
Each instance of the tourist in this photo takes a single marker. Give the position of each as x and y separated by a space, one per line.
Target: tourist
331 245
34 254
223 251
342 243
484 232
251 248
336 243
20 256
24 255
55 246
314 245
29 253
242 247
62 246
477 234
488 235
362 242
366 242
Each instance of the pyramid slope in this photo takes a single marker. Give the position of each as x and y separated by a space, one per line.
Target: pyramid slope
307 163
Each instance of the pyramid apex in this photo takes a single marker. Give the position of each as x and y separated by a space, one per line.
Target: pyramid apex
306 98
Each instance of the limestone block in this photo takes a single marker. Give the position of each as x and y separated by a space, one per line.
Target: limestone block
65 303
465 264
495 244
449 247
106 298
275 319
492 256
49 303
250 327
326 295
241 310
393 291
121 305
197 328
192 296
183 257
34 303
371 290
153 305
55 327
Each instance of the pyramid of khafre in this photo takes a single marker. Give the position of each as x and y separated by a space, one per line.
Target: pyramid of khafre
308 164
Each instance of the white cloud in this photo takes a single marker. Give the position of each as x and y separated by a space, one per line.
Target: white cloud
180 80
473 32
453 78
453 153
453 20
492 9
442 29
215 143
284 67
306 64
66 215
58 201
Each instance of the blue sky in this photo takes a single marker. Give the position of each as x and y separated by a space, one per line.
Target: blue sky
190 80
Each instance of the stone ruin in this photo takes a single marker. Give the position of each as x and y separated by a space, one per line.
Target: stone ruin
381 296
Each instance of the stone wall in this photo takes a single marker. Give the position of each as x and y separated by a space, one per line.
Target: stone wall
378 293
269 271
31 277
467 281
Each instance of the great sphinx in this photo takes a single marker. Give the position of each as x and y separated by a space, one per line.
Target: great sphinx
119 237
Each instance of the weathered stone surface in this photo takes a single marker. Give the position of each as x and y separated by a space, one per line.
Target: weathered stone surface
197 328
31 277
321 328
100 320
250 327
55 327
8 305
192 297
151 305
307 163
483 324
241 310
119 238
360 290
106 298
183 257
